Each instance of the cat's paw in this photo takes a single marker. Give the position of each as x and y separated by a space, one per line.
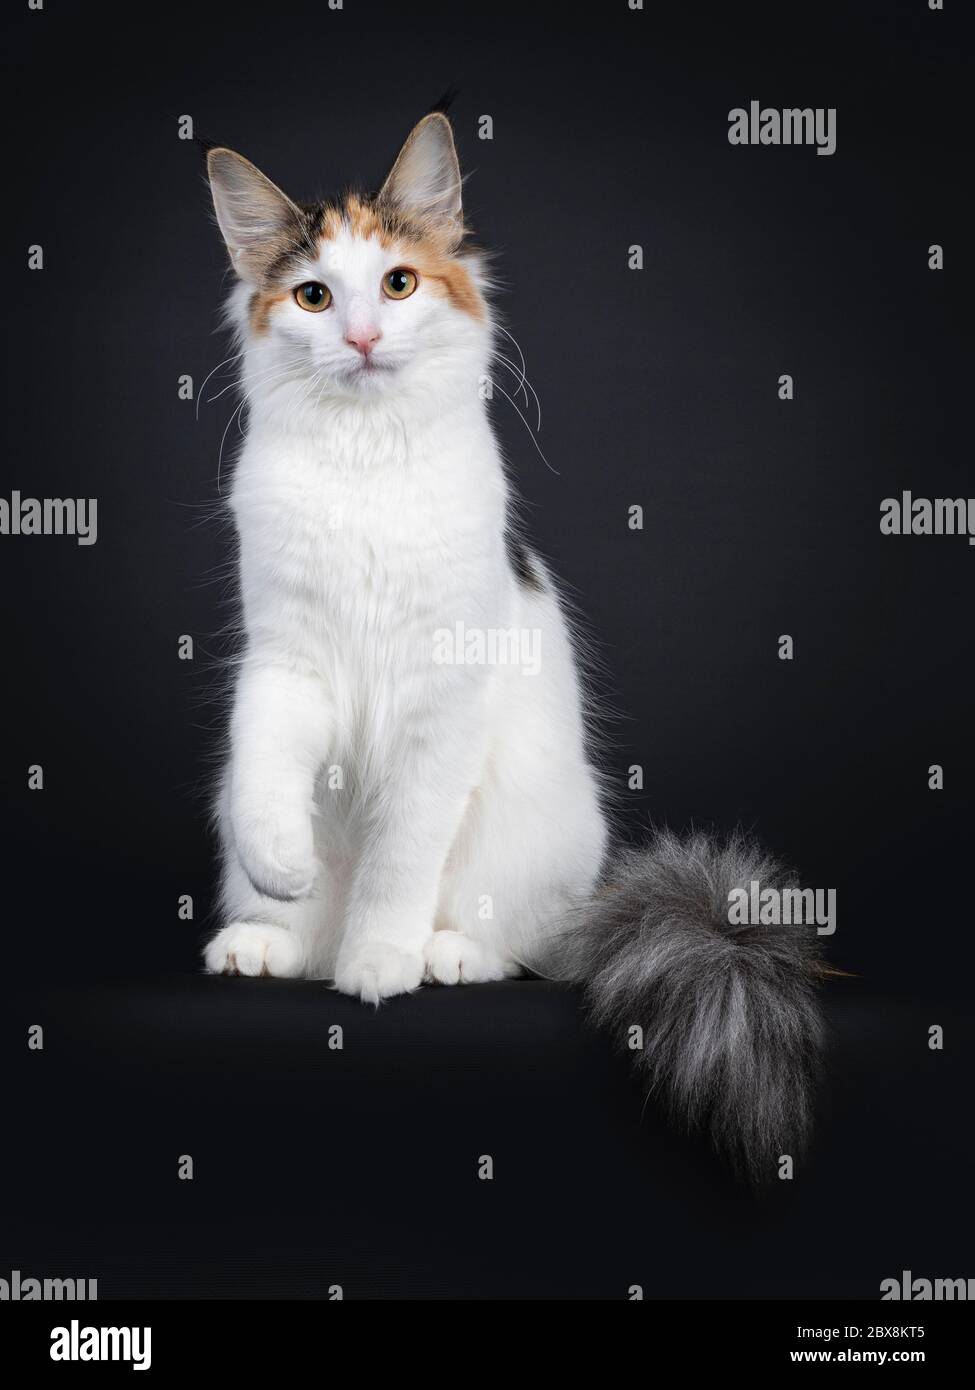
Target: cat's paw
376 970
276 850
253 948
454 959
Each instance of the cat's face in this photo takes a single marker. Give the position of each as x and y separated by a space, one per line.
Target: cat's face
359 298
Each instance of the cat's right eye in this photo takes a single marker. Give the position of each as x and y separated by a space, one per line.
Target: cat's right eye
313 296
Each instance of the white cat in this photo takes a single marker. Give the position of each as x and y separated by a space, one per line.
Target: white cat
408 795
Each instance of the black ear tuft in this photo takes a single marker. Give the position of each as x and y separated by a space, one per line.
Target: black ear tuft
204 146
444 103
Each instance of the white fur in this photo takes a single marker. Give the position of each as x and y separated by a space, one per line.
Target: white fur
370 506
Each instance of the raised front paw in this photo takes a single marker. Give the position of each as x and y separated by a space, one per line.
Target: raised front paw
276 850
376 970
253 948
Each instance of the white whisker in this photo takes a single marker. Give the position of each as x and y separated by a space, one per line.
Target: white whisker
521 355
199 395
500 357
247 384
528 427
223 440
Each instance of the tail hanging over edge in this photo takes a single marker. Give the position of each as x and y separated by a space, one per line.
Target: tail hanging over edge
732 1031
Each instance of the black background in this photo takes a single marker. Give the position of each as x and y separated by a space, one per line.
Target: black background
657 387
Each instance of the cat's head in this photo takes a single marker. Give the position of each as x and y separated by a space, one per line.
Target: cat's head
363 297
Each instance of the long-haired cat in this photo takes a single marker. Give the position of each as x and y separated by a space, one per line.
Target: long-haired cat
409 795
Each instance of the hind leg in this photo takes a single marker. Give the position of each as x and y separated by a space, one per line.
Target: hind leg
451 958
521 863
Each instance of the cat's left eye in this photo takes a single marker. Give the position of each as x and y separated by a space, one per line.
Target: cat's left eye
400 283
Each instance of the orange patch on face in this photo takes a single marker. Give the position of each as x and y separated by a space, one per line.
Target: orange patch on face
332 223
260 308
450 278
421 245
362 221
356 216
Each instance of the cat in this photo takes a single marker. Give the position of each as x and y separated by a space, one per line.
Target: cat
407 797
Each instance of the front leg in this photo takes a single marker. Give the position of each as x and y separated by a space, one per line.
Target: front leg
279 736
413 820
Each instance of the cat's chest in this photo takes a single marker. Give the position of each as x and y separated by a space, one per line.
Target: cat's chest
345 553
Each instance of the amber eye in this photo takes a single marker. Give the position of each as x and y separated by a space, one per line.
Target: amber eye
313 297
399 284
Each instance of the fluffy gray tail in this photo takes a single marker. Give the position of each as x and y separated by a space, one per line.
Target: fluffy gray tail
732 1034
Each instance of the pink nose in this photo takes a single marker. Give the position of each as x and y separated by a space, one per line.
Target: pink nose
363 339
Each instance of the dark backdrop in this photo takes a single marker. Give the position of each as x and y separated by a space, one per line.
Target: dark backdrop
658 387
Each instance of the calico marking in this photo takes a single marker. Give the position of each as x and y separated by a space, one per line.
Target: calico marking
522 563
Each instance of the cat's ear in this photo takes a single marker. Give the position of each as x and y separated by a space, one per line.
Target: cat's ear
425 179
257 220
